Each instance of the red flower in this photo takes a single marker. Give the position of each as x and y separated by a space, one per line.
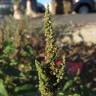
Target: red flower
58 62
74 68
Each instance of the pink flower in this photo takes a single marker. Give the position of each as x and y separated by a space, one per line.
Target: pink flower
58 62
74 67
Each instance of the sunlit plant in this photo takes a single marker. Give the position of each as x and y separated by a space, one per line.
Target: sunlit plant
51 72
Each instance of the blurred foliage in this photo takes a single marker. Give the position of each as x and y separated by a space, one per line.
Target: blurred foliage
17 63
3 91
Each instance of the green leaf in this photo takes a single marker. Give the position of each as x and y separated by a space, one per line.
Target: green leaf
60 94
76 95
25 87
3 91
68 84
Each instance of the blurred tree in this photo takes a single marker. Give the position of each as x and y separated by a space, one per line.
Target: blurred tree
67 6
61 6
57 7
16 10
31 8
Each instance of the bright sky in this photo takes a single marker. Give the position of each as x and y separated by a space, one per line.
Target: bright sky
44 1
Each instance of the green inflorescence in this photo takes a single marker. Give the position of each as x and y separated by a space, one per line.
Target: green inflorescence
50 74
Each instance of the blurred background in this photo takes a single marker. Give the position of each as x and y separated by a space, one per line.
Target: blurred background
55 6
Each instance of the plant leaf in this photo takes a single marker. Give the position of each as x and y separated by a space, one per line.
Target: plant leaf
68 84
3 91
